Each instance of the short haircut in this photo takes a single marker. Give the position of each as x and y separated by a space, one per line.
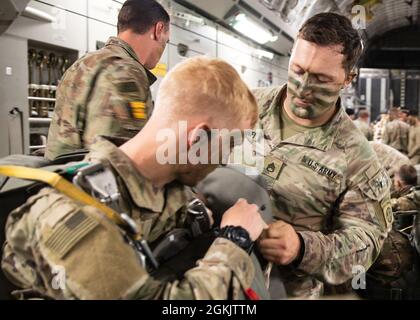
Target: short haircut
208 87
408 175
331 29
141 15
394 112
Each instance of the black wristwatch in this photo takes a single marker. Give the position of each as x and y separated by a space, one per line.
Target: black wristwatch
238 236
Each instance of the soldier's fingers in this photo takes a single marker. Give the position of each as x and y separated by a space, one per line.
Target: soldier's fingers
279 224
270 243
272 254
264 234
276 230
241 200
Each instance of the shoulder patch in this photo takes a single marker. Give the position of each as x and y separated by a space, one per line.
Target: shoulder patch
380 183
128 86
138 110
387 209
68 234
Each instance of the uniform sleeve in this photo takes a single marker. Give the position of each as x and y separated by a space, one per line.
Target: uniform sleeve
404 203
119 103
385 134
370 133
361 222
77 253
414 142
222 274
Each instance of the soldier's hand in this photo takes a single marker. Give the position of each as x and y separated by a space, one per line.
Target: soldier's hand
244 215
280 243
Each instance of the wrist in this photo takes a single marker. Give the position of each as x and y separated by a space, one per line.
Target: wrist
238 236
301 252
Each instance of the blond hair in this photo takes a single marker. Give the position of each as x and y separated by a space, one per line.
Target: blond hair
207 87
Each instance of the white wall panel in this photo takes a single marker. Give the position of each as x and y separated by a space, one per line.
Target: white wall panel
77 6
231 41
68 30
194 41
207 31
99 31
104 10
175 58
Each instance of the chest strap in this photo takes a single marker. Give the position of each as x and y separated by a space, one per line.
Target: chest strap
59 183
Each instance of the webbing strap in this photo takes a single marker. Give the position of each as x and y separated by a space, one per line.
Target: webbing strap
59 183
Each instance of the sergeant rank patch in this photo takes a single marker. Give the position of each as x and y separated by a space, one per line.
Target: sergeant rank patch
138 110
272 167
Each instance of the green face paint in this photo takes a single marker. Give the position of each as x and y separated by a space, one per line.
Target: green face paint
317 97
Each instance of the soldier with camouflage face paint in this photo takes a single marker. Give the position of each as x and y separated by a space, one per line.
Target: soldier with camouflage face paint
108 91
330 193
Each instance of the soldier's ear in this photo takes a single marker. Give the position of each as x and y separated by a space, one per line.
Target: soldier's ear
350 77
158 30
199 134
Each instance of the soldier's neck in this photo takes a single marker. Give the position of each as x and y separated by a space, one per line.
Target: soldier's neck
139 44
141 150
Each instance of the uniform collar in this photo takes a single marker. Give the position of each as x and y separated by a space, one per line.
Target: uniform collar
141 190
321 138
121 43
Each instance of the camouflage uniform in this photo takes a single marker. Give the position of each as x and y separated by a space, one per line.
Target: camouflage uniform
414 144
396 135
328 184
364 128
391 159
105 92
401 192
51 230
408 200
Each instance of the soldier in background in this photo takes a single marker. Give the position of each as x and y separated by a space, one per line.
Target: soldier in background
52 230
396 132
390 159
330 193
405 179
108 91
403 116
407 202
414 139
379 127
362 123
406 194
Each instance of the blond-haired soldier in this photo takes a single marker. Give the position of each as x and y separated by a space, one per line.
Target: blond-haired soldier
52 230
